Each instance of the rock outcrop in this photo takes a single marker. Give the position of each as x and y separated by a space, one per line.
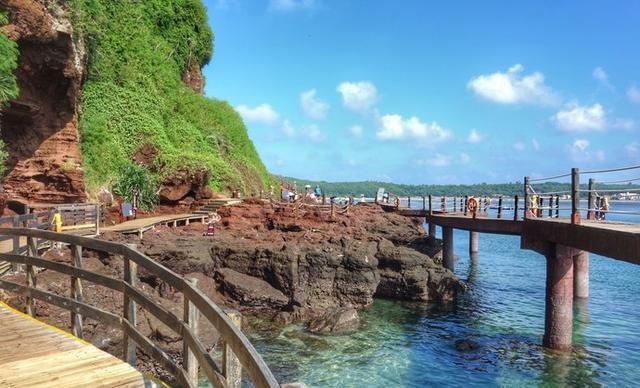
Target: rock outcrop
40 128
307 265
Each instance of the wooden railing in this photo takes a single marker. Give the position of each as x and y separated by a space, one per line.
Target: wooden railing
76 217
195 303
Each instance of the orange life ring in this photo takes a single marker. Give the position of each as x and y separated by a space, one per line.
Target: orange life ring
472 205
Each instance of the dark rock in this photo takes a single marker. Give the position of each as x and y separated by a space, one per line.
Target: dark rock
250 290
335 321
466 344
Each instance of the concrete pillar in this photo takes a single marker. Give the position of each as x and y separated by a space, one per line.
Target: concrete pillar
447 248
558 319
432 229
581 275
473 242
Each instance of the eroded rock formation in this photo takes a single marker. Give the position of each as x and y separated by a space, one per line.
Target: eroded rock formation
40 128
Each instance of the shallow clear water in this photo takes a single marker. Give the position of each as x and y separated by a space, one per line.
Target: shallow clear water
412 344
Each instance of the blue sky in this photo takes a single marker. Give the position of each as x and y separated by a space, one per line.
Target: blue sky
431 92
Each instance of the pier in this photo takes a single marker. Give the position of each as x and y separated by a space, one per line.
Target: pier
565 242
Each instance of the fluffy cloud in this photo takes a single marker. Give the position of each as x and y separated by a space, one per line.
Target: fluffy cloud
261 114
512 87
291 5
474 137
358 96
634 94
312 107
578 118
288 129
313 133
395 127
356 130
580 152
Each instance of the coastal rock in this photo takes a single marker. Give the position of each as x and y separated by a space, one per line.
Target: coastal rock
335 321
249 290
466 344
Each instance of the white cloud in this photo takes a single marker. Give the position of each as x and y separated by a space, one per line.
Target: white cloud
312 107
291 5
313 133
395 127
627 124
358 96
261 114
513 88
356 130
535 144
578 118
474 137
288 129
600 75
580 151
438 160
519 146
633 149
634 94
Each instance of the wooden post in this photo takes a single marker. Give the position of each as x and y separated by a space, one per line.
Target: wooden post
515 208
130 308
97 219
557 206
430 208
540 205
447 248
500 207
424 203
323 197
191 316
16 244
581 275
575 196
473 242
455 202
333 210
559 299
432 229
461 203
32 250
231 367
526 197
591 200
466 203
76 291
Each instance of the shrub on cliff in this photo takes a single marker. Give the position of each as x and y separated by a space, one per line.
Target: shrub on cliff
134 95
8 86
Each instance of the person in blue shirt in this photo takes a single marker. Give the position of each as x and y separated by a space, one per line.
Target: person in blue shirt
317 191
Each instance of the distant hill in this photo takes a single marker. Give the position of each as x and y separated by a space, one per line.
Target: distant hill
369 188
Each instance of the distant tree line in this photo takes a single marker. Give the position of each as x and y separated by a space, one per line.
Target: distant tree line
369 188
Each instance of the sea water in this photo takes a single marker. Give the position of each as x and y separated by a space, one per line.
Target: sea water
410 344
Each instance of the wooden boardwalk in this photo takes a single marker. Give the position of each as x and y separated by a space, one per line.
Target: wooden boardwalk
141 225
35 354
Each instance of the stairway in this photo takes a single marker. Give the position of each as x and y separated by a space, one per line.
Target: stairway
214 204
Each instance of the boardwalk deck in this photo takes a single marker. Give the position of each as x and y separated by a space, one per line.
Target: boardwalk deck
144 224
34 354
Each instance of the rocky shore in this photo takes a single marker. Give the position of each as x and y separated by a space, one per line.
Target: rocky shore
299 265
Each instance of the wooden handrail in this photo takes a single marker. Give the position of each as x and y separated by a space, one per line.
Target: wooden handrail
250 360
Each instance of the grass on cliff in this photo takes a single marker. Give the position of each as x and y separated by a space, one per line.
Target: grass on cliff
134 95
8 85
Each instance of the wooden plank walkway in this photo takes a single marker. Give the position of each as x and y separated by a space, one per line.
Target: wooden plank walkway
143 224
34 354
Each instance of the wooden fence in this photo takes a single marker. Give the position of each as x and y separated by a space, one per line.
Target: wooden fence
195 302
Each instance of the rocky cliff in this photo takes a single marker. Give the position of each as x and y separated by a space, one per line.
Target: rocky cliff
106 85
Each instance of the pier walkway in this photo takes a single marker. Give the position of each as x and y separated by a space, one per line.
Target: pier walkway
141 225
565 236
35 354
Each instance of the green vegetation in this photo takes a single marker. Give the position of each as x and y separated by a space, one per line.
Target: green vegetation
134 96
8 86
370 188
137 178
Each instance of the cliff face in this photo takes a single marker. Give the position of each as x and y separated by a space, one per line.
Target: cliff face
84 117
40 128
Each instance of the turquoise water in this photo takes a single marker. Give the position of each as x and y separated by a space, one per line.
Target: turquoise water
412 344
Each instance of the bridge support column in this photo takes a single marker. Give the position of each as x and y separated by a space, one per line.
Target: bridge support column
581 275
473 242
432 229
447 248
559 299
